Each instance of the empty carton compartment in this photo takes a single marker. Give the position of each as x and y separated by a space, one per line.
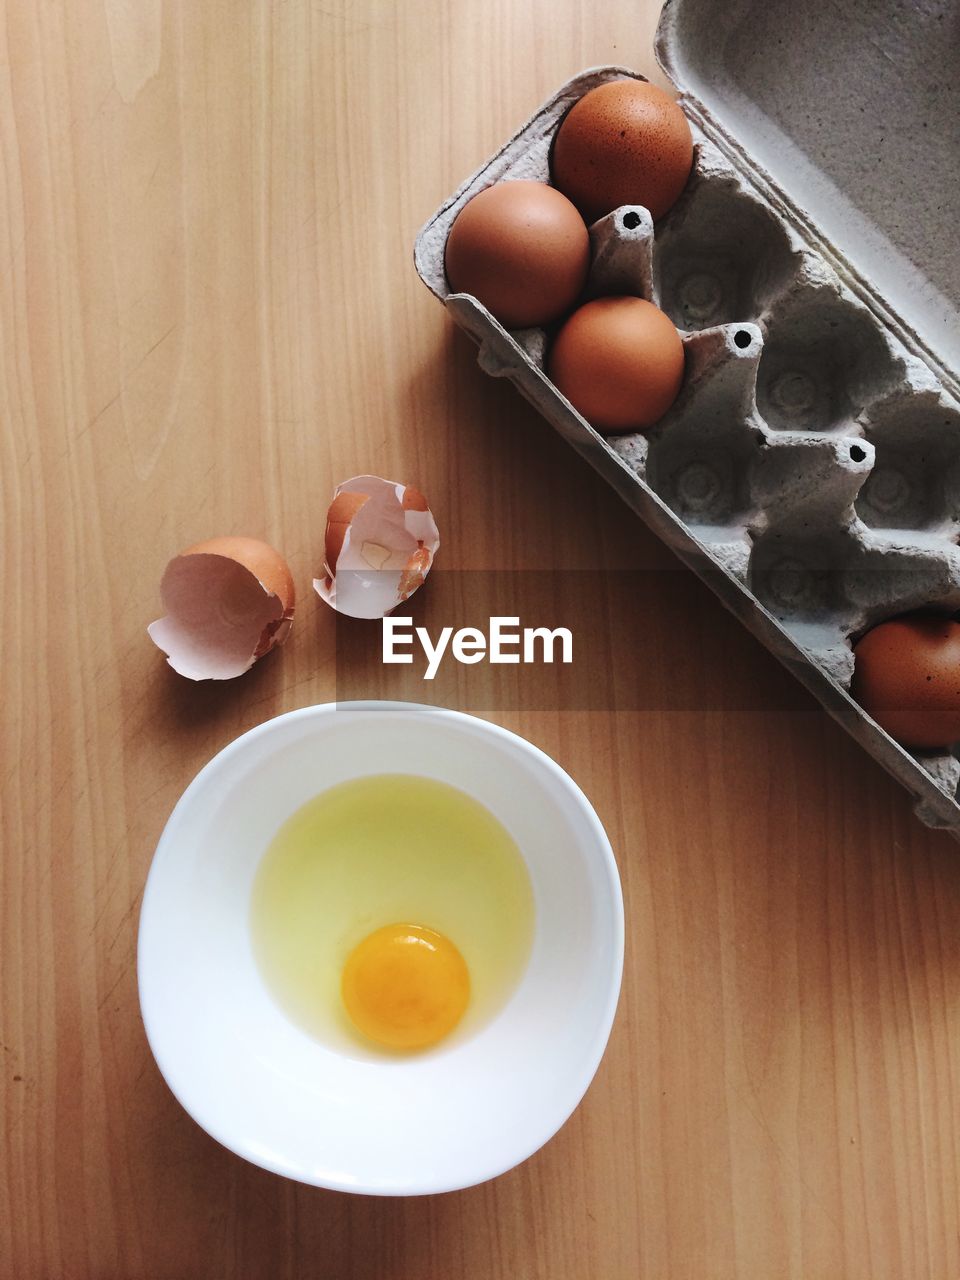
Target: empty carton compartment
700 456
703 475
798 573
889 578
720 255
825 357
915 483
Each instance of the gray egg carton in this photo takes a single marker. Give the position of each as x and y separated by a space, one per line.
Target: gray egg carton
809 470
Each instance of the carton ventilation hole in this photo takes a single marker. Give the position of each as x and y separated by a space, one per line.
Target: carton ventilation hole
742 339
631 221
856 453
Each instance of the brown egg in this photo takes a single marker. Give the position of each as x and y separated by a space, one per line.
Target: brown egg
619 361
907 676
626 142
522 250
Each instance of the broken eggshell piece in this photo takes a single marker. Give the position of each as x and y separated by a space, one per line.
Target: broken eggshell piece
379 545
227 602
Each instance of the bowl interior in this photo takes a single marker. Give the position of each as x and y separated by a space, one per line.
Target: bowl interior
434 1121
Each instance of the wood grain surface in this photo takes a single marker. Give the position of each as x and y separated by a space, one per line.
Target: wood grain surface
208 317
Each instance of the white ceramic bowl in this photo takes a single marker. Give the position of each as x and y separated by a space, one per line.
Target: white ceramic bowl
261 1086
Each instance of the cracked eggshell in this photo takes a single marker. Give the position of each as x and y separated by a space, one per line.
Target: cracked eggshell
379 544
227 601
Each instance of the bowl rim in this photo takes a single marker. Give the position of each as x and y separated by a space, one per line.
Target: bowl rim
611 885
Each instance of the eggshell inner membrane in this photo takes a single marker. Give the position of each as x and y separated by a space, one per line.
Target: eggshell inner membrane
219 618
342 510
386 552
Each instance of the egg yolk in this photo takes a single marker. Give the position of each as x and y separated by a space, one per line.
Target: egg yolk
405 986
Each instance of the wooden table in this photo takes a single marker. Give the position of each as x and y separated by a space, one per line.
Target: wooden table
208 317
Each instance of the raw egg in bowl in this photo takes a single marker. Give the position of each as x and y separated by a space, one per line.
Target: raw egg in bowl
380 948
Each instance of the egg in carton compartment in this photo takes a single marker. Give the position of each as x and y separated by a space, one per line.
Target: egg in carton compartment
809 470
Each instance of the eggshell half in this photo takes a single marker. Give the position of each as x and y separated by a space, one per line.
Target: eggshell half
227 602
379 545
